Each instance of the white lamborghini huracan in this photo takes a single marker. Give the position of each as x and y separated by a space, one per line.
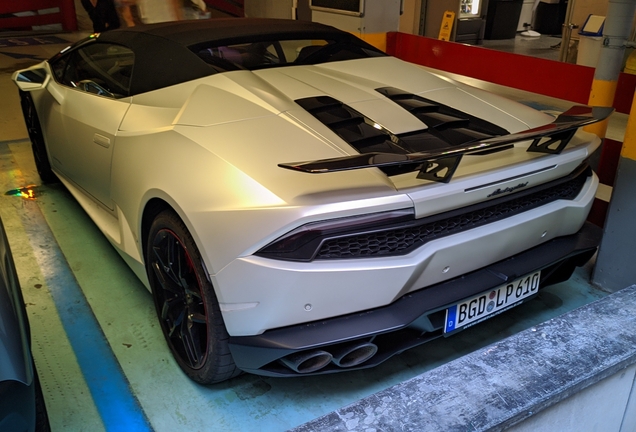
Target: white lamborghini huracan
297 201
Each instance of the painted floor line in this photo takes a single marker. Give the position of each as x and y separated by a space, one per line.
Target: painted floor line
117 406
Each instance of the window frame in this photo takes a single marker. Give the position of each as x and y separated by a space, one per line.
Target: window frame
102 82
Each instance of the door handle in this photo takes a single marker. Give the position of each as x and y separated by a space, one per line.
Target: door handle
101 140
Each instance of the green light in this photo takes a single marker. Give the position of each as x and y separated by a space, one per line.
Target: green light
28 192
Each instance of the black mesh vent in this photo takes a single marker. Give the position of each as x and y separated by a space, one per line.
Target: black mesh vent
447 127
354 128
452 126
403 240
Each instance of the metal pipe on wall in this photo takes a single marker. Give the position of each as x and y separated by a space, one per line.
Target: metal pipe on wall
618 25
568 26
614 269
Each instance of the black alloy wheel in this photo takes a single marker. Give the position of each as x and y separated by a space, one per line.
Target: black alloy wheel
185 302
37 139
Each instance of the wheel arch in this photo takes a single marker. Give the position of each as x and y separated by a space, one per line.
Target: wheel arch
151 210
153 207
37 136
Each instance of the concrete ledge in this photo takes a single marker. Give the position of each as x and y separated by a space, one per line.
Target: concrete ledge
505 383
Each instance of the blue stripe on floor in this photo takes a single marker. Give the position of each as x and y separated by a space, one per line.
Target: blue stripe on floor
117 406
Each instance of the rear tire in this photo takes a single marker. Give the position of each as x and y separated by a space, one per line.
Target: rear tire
186 304
37 139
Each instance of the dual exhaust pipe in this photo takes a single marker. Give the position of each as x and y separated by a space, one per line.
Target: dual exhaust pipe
344 356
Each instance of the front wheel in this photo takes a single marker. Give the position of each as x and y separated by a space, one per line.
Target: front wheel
186 304
37 139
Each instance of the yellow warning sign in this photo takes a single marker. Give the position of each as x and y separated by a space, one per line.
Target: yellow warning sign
447 26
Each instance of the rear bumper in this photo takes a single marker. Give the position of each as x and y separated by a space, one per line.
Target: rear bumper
415 318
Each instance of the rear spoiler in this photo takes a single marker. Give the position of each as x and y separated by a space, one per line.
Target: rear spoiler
440 165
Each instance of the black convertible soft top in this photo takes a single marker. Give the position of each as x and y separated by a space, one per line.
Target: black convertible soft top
165 53
225 30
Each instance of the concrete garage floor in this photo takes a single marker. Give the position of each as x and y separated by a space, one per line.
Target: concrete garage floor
100 353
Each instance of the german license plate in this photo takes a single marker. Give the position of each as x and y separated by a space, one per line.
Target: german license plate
491 303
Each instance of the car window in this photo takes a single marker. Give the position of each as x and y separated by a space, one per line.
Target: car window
98 68
59 67
263 54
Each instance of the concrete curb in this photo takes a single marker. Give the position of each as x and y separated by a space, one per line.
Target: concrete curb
501 385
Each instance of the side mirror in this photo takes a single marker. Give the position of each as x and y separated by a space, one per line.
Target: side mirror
31 79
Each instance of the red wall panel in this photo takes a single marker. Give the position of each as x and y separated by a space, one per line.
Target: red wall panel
551 78
232 7
66 16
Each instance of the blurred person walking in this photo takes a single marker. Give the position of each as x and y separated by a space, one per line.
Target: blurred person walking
103 14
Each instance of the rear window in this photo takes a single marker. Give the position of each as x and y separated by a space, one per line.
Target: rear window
263 54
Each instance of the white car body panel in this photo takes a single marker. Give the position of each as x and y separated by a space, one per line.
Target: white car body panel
216 142
373 282
215 152
82 142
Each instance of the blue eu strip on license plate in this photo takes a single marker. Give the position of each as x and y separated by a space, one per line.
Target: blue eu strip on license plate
491 302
